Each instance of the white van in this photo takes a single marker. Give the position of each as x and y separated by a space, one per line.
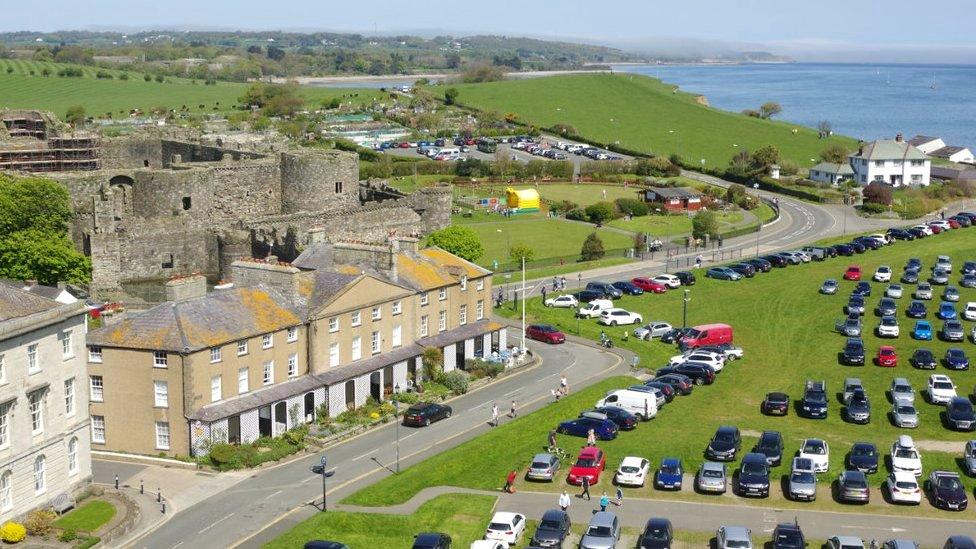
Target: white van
643 405
594 308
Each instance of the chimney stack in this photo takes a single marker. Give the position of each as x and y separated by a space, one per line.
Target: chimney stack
899 138
186 287
252 273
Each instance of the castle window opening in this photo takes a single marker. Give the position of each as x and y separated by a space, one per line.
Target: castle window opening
187 202
168 264
338 187
145 163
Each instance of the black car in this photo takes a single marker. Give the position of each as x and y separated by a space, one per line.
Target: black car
947 491
853 354
858 247
968 268
863 457
855 304
624 419
627 288
887 307
970 215
552 529
425 413
917 232
844 249
776 404
862 288
744 269
923 359
657 534
687 278
867 242
432 540
959 414
900 234
916 309
814 403
608 291
857 409
770 445
962 220
776 260
701 374
910 276
760 264
666 389
682 384
913 264
324 544
725 444
830 251
754 476
788 535
968 281
586 296
959 542
674 335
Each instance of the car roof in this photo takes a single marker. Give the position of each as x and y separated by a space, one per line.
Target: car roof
553 514
736 532
676 461
905 441
589 451
904 476
503 516
850 540
602 518
753 456
631 460
428 537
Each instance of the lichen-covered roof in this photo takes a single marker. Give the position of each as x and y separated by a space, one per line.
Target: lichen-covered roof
434 268
219 317
16 302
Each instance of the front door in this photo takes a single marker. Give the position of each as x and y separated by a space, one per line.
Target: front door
264 421
234 429
459 355
388 380
280 418
350 394
376 386
309 407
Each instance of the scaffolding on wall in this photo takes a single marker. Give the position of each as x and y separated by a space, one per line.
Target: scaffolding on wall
34 147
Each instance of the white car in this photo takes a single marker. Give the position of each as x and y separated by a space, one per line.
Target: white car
670 281
943 263
941 389
804 257
488 544
506 527
969 311
923 291
894 291
567 301
942 224
883 274
716 361
888 327
903 488
817 451
905 456
925 229
652 330
633 471
614 317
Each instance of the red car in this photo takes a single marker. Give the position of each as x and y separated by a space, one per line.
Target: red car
936 229
853 273
589 464
649 285
545 333
953 223
887 356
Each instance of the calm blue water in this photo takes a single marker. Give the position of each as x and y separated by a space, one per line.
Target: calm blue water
864 101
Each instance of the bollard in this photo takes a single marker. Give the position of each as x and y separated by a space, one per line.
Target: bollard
116 482
163 508
142 489
159 495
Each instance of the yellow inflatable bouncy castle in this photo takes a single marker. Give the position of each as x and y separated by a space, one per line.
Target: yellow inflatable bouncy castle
522 200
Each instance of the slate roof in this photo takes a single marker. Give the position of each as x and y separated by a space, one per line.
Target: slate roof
326 285
674 192
254 399
434 268
315 257
921 140
831 167
15 302
889 149
946 152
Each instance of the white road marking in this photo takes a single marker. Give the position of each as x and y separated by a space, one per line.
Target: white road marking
218 521
364 455
477 407
513 392
269 496
177 545
309 479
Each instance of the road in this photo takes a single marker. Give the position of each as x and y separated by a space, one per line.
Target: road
243 510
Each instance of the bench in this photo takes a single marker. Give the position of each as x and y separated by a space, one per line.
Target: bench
62 502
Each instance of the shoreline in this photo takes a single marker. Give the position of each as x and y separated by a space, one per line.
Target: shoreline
350 80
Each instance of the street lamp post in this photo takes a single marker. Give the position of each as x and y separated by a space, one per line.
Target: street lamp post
758 227
579 281
320 470
396 425
684 317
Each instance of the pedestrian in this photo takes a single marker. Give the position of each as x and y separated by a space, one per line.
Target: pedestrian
698 261
586 488
604 194
555 283
555 395
562 283
510 482
626 335
564 501
543 294
620 497
552 438
942 214
591 438
563 384
494 415
512 413
604 501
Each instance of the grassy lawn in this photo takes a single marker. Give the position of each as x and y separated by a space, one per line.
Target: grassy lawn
786 329
88 517
568 270
642 113
463 517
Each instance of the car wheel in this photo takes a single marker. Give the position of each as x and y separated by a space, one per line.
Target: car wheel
613 322
699 381
447 414
427 422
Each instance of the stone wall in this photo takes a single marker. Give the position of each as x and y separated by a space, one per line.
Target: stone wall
318 180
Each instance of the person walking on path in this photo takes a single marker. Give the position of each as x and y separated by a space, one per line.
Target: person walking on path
513 413
510 482
620 497
698 262
494 415
563 384
586 488
591 438
604 501
552 438
543 294
564 501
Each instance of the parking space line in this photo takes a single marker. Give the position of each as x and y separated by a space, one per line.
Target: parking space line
364 455
269 496
215 523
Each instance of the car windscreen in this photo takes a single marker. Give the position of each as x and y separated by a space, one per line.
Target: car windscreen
816 449
906 453
804 477
863 451
856 483
540 465
585 462
906 485
656 532
906 410
816 396
945 385
693 334
712 473
673 469
950 483
499 526
599 531
550 524
724 436
743 544
629 469
754 468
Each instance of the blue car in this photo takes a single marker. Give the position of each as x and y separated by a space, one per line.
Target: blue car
947 311
627 287
722 273
955 359
862 288
669 474
916 309
922 330
603 428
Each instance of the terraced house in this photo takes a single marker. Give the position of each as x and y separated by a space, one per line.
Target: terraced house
44 427
284 342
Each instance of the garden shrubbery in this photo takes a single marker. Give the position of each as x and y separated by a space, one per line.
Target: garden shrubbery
457 381
13 532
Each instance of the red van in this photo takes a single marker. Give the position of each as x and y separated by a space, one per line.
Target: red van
707 334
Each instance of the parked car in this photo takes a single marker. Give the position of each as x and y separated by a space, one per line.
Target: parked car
814 403
951 293
562 301
775 260
657 534
723 273
941 389
425 413
947 311
910 276
432 540
731 352
545 333
894 291
544 466
817 451
862 288
904 414
905 456
959 414
602 532
803 480
700 374
682 385
670 474
844 542
669 280
770 444
969 311
594 308
886 307
638 400
603 428
506 527
754 476
968 281
590 464
855 305
853 272
886 356
788 535
706 334
764 266
956 359
851 384
829 287
666 389
853 353
923 291
615 317
725 444
649 285
947 491
844 250
687 278
902 487
588 296
852 487
553 529
969 456
888 327
633 471
939 277
628 288
857 407
625 420
775 403
916 309
901 390
922 330
863 457
711 478
714 360
744 269
675 335
923 359
882 274
605 287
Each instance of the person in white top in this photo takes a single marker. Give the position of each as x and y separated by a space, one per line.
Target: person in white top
564 501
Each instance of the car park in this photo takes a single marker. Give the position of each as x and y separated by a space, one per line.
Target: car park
886 357
814 403
711 478
754 476
941 389
788 535
544 466
553 529
817 451
669 280
853 272
894 291
951 293
901 390
916 309
633 471
725 444
590 463
829 287
905 456
658 534
947 491
733 537
888 327
852 487
857 407
882 274
723 273
902 487
947 311
853 353
649 285
923 291
776 404
863 457
803 480
602 532
628 288
959 415
886 307
422 414
952 330
922 330
904 415
616 317
545 333
506 527
923 359
670 474
770 445
563 301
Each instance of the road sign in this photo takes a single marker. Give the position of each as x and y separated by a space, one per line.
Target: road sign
323 461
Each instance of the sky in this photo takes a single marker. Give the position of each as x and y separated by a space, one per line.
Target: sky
794 27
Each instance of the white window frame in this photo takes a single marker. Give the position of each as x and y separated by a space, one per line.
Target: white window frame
5 424
95 354
98 429
69 397
267 341
215 355
357 348
160 359
397 307
357 318
481 284
73 456
464 283
442 294
334 357
377 313
333 325
3 369
424 298
375 342
160 393
67 350
96 391
442 321
6 490
216 388
162 435
462 315
40 474
293 365
396 336
35 410
33 365
424 325
243 380
242 347
480 309
293 334
267 373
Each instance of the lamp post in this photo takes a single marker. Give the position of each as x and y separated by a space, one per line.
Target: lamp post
684 316
579 281
396 425
320 470
758 227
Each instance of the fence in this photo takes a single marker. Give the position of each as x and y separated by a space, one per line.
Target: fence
714 256
516 266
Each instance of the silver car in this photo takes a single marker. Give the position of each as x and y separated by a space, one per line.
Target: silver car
850 327
901 389
969 454
733 537
712 477
829 287
951 293
544 467
652 330
940 277
923 291
803 480
602 532
904 414
894 291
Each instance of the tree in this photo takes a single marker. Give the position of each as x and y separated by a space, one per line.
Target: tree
735 193
877 193
520 251
704 224
453 60
460 241
450 96
835 153
600 213
592 248
824 128
275 53
75 115
770 109
764 157
432 360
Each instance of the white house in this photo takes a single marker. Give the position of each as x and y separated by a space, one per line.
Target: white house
891 161
954 154
830 172
926 143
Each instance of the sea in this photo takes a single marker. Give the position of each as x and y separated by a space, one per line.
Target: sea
865 101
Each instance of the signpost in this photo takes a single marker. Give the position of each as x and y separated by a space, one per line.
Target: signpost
320 470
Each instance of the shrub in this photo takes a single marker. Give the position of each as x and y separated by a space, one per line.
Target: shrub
520 251
40 522
68 534
873 208
296 436
592 248
601 212
13 532
631 206
878 193
407 398
222 454
456 381
576 214
88 542
704 224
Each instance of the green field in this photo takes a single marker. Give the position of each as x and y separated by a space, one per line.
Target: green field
20 90
643 114
786 329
